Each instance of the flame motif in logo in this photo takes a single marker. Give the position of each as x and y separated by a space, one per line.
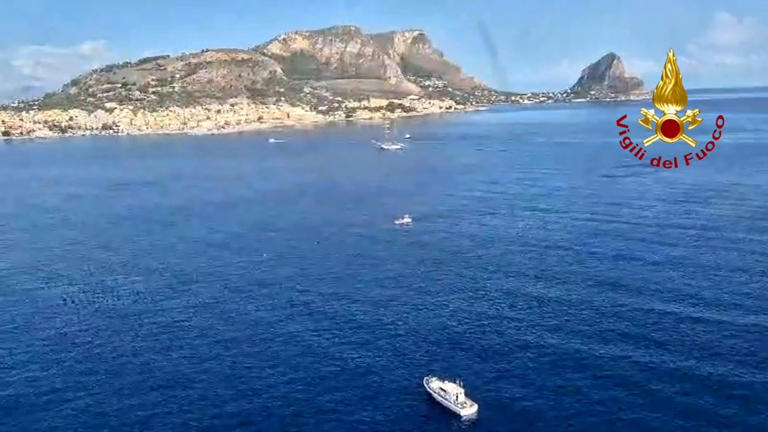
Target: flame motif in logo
670 97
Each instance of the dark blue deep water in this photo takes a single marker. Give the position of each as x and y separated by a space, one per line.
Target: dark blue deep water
224 283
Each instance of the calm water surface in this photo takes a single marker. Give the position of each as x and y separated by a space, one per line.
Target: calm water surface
222 283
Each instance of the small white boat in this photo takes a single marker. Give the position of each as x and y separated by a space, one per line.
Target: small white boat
404 220
389 145
451 395
275 140
407 136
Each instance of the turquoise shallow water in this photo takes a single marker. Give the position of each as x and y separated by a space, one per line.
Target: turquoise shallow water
226 283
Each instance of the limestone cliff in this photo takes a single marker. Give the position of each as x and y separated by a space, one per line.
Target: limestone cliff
416 56
606 77
302 68
339 52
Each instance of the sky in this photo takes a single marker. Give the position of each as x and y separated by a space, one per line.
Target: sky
513 45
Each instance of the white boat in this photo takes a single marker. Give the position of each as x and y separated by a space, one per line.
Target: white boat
275 140
404 220
389 145
407 136
451 395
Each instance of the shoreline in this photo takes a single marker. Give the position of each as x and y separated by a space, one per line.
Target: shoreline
305 119
251 127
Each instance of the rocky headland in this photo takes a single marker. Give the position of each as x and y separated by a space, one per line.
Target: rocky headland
299 77
607 79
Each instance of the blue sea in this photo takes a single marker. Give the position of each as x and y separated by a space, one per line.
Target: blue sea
225 283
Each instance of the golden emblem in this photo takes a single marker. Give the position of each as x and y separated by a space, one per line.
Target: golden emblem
670 97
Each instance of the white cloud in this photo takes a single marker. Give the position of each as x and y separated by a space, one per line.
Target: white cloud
31 70
731 47
729 31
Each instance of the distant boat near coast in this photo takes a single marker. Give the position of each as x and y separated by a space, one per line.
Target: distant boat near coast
389 143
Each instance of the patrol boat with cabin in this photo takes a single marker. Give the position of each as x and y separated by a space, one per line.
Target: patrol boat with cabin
451 395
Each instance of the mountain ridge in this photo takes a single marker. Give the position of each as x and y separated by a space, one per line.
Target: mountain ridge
311 68
304 67
338 72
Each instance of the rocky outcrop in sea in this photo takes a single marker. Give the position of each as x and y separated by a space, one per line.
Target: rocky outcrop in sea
607 79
